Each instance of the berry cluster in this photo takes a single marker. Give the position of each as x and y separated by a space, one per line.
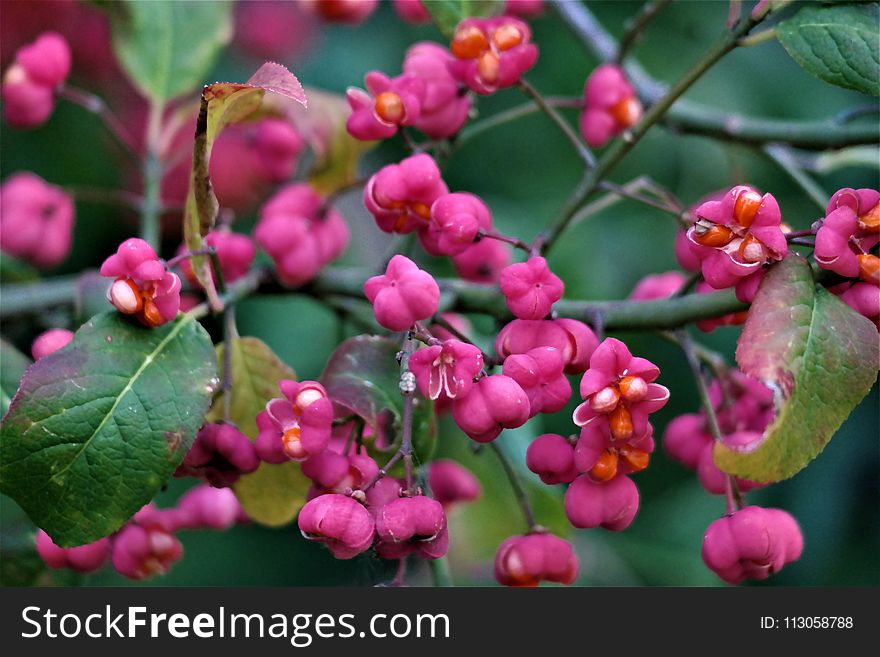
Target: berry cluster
147 544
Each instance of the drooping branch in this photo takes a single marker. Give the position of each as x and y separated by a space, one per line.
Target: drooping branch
696 118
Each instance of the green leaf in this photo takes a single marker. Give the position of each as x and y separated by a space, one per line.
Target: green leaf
839 44
167 48
225 103
274 494
13 363
256 371
446 14
96 428
818 356
363 377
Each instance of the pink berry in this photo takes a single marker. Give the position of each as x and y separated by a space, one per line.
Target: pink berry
143 286
529 560
403 295
141 553
551 457
445 106
452 483
864 298
47 60
495 402
685 438
412 525
574 339
610 105
206 507
236 253
844 234
447 369
752 543
736 235
483 262
390 104
278 145
658 286
455 221
530 288
492 53
300 424
602 457
220 454
29 84
82 559
342 11
400 195
50 341
36 224
412 11
332 472
386 490
341 523
539 372
299 234
524 8
26 104
611 505
621 387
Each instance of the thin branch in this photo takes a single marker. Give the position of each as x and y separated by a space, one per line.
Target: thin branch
519 490
734 497
636 25
579 146
513 114
96 105
789 163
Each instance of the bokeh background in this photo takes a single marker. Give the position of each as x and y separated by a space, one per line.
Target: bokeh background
524 171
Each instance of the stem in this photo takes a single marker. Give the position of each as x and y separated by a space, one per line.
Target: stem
488 361
664 206
343 286
512 114
176 260
788 163
580 148
383 471
687 347
243 287
756 39
440 572
637 24
407 389
96 105
519 490
401 572
104 196
229 334
152 174
513 241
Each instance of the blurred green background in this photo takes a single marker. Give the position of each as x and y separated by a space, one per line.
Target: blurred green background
524 171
